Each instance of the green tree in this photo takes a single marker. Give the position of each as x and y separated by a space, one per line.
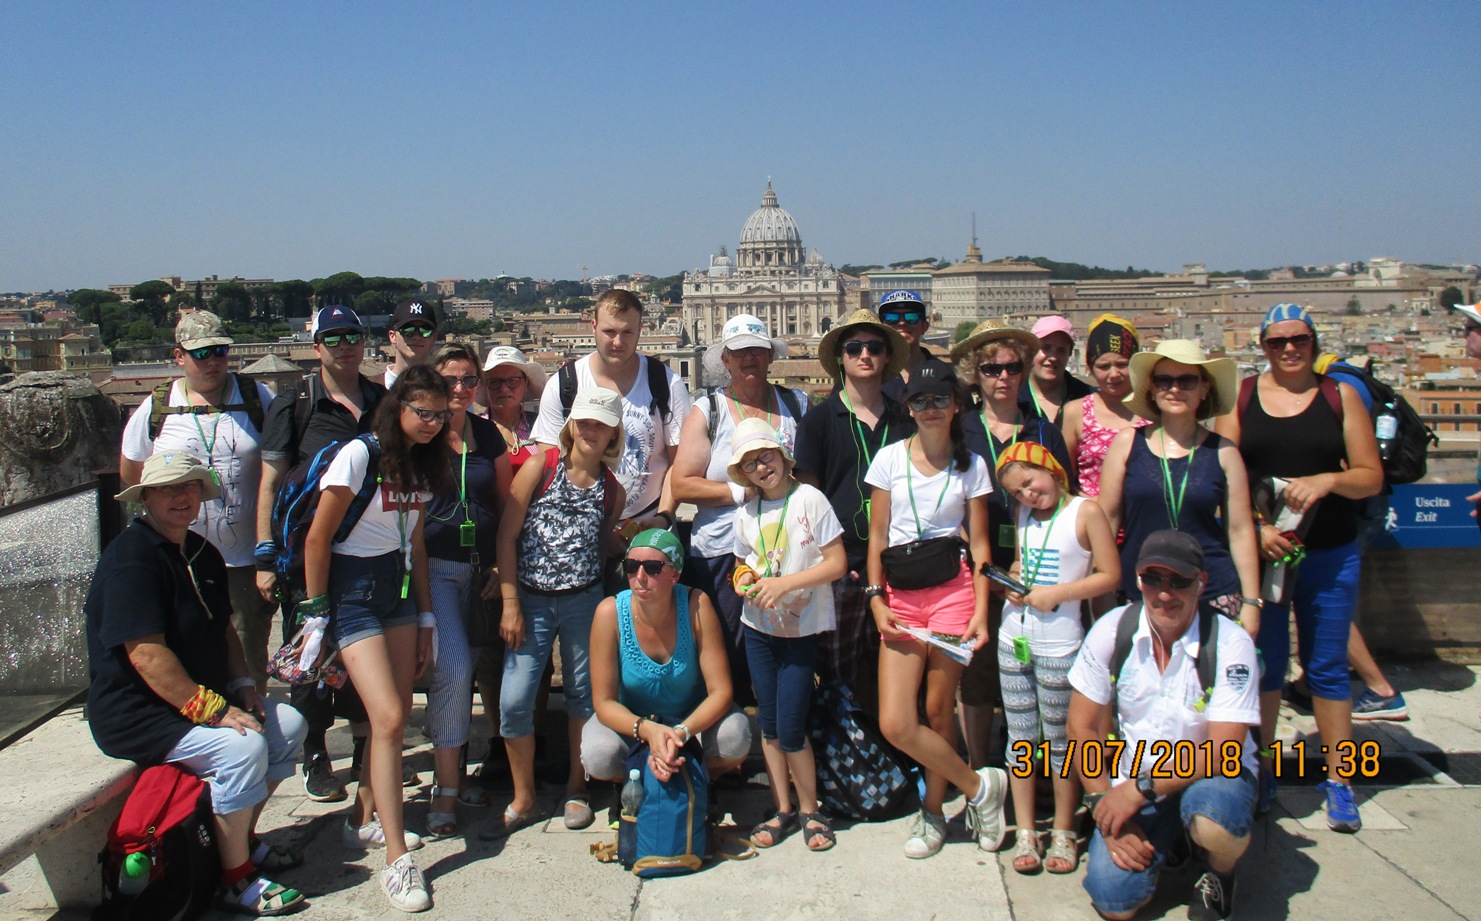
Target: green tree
1450 297
295 297
340 288
153 297
963 330
88 302
141 331
232 302
178 300
1354 306
113 320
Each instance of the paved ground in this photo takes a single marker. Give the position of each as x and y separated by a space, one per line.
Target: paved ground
1411 858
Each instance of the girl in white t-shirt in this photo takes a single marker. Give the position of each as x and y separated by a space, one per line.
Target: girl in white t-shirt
788 552
1066 554
927 490
373 584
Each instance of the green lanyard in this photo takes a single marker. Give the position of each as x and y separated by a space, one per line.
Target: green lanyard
910 490
1175 503
1033 577
402 513
740 415
856 429
761 531
991 448
210 445
1034 395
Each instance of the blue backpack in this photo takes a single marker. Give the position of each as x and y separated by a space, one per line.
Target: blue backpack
293 511
670 836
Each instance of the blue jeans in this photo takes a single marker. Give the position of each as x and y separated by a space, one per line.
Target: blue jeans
365 597
546 617
711 575
1324 596
239 767
782 673
450 676
1228 802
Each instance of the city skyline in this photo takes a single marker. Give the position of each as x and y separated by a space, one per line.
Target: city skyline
284 141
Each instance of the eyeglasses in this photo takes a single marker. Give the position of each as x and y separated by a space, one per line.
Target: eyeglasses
505 383
1279 343
934 400
909 316
210 351
334 339
418 330
429 415
651 567
767 457
856 347
468 381
996 368
1155 580
1166 382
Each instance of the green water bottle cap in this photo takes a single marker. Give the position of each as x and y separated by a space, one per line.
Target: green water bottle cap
136 865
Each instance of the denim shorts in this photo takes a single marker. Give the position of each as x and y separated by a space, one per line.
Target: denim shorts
1228 801
365 597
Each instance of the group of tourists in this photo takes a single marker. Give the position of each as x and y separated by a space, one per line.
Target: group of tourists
939 527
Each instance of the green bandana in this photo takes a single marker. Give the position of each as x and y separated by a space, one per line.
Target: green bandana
659 539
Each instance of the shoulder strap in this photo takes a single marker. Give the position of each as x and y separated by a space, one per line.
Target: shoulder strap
716 407
552 460
303 407
609 493
1246 393
1125 631
658 387
368 486
567 378
159 407
251 400
1208 652
1333 395
789 396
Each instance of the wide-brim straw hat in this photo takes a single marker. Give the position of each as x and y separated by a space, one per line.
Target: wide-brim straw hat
166 468
1223 373
899 348
994 331
750 436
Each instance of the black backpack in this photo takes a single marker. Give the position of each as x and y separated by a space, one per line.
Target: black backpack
658 385
787 395
860 775
167 818
1408 460
1208 649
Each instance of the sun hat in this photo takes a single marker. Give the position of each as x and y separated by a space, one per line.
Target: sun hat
865 318
1030 452
1176 550
1282 312
336 318
750 436
660 539
1045 327
509 355
166 468
742 331
1473 311
200 329
411 311
1109 333
1224 390
599 405
993 331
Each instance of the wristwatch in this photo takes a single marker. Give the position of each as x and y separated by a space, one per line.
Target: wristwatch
684 731
873 591
1147 787
1092 800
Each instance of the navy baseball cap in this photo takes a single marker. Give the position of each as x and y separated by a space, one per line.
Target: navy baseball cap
336 318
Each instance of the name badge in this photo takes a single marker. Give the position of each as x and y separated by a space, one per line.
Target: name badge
1006 537
467 534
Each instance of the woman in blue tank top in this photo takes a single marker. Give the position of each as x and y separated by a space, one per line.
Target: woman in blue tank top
659 673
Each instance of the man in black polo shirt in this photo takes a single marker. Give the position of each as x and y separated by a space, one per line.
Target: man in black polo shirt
905 312
336 404
835 443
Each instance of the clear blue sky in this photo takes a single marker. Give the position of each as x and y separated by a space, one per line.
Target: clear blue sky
464 139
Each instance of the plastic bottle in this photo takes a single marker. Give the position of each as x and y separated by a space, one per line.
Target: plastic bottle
134 875
1386 428
632 795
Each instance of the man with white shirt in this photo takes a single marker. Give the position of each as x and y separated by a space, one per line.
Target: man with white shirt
650 422
1166 694
413 335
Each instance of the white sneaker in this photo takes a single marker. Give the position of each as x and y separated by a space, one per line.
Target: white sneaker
404 886
985 820
371 835
927 833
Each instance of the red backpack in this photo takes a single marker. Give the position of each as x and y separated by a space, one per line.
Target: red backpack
167 818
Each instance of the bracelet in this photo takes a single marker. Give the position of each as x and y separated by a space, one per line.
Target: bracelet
240 683
681 728
205 707
741 570
636 724
317 606
427 619
873 591
666 516
1252 602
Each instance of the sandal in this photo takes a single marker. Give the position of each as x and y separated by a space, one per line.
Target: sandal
274 856
474 797
775 829
442 824
578 814
260 897
513 822
1062 848
817 832
1028 851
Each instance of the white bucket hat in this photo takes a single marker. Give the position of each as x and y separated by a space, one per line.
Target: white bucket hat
509 355
741 331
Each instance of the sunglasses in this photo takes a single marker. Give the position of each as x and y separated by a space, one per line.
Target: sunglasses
210 351
856 347
505 383
767 457
1279 343
909 316
996 368
334 339
429 415
419 330
468 381
1166 382
651 567
1155 580
933 400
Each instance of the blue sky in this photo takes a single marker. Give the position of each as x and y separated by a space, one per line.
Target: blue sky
463 140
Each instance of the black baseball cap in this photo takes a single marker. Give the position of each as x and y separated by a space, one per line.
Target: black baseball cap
934 377
412 312
1176 550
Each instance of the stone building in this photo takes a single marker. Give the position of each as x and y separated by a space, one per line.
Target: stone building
769 278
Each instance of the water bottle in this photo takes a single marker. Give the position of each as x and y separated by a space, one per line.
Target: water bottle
134 875
632 795
1386 427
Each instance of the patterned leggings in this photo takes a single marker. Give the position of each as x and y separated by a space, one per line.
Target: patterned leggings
1036 701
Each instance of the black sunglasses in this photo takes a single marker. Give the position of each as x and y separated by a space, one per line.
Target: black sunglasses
1166 382
429 415
506 383
934 400
856 347
419 330
1279 343
995 368
469 381
1155 580
210 351
910 316
334 339
651 567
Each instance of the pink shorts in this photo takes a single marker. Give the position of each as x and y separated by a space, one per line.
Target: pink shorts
946 608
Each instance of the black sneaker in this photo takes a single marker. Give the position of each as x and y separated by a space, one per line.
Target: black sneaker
1213 897
319 782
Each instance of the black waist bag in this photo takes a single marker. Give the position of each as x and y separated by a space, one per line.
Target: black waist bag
922 563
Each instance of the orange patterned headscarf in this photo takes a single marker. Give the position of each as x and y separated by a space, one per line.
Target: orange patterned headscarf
1028 452
1109 333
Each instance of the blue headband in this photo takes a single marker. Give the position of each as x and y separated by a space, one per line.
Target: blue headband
1282 312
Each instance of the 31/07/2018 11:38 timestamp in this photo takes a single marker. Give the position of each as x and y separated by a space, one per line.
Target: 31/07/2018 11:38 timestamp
1354 760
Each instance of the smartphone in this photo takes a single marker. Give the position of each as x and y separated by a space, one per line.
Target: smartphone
1002 577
